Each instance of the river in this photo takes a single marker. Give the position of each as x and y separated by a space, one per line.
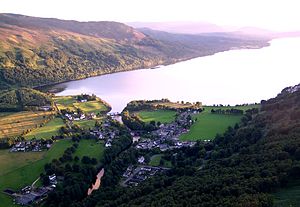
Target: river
231 77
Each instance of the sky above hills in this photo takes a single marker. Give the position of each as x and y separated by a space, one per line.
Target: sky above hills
276 15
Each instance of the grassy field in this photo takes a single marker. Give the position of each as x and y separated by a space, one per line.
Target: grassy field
155 161
48 130
289 196
177 105
91 107
208 125
91 148
70 102
20 169
164 116
86 124
64 102
14 124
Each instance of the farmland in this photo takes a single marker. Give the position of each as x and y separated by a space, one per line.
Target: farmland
14 124
86 124
48 130
90 148
91 107
207 125
156 161
70 102
163 116
21 169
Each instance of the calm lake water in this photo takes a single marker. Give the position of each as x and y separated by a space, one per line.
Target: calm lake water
232 77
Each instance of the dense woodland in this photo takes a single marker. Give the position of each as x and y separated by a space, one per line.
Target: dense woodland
239 168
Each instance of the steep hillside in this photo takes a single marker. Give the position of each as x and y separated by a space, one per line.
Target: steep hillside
36 51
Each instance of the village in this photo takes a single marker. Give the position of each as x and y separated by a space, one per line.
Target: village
167 136
35 145
29 194
134 176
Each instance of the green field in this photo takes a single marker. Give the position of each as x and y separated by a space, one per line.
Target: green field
70 102
86 124
48 130
155 161
91 148
289 196
91 107
20 169
65 101
163 116
208 125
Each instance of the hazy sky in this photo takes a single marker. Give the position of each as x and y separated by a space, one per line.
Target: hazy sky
269 14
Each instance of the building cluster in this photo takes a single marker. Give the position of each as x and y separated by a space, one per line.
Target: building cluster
167 136
105 132
74 116
30 195
31 146
133 176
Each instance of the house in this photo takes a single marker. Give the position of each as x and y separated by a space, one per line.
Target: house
45 108
52 179
141 159
108 144
83 100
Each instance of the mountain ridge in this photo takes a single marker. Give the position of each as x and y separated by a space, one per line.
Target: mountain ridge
37 51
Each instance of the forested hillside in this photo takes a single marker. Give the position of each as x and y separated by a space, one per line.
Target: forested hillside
36 51
22 99
240 168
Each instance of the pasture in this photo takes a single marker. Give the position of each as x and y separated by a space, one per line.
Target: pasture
91 106
70 102
163 116
155 161
21 169
91 148
14 124
48 130
207 125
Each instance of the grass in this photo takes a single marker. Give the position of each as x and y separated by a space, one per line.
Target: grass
86 124
289 196
64 102
48 130
91 107
21 169
208 125
163 116
70 102
91 148
155 161
14 124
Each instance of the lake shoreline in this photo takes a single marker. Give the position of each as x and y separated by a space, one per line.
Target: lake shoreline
51 86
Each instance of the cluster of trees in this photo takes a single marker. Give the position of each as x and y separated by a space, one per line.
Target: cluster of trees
231 111
159 104
87 97
23 99
134 122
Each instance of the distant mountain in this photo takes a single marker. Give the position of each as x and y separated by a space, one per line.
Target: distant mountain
181 27
36 51
203 28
